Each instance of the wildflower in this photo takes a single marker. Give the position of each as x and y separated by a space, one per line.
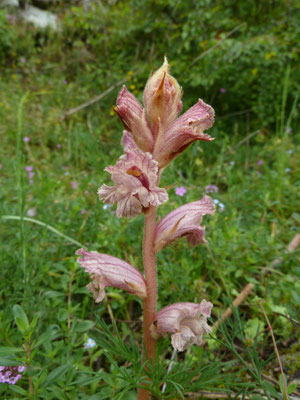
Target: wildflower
74 184
288 130
184 221
58 145
90 344
232 162
26 139
83 211
65 82
223 90
86 192
260 163
23 60
106 206
186 321
288 170
31 182
162 133
290 151
106 270
30 174
31 212
1 166
29 168
11 18
11 375
211 189
180 191
220 205
135 176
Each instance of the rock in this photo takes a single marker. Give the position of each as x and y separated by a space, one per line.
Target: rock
39 18
9 3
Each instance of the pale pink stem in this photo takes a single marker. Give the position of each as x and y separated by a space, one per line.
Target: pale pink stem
149 303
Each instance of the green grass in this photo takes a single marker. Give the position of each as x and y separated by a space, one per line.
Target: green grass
39 270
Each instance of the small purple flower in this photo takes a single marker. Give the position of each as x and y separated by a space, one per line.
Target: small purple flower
31 182
23 60
29 168
211 189
58 145
65 82
223 90
12 19
260 162
26 139
288 130
0 166
86 192
30 175
83 211
74 185
180 191
10 375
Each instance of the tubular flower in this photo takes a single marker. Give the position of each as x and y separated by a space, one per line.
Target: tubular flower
106 270
183 131
133 117
186 321
135 176
162 98
184 221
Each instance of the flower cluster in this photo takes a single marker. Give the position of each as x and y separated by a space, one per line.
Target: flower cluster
30 173
154 135
11 375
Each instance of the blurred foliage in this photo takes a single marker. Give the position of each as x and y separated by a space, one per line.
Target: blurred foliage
213 45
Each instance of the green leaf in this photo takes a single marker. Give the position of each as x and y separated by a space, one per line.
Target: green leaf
57 372
7 351
271 389
7 362
19 390
291 388
20 317
84 326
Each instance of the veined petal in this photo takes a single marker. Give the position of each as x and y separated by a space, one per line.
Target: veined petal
162 98
134 119
106 270
135 176
184 131
184 221
186 321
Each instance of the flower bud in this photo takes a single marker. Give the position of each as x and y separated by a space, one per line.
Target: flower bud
162 98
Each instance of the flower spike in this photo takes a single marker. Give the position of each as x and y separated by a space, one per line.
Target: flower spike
106 270
135 176
186 321
184 221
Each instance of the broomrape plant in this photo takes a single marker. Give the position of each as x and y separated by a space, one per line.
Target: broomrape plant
153 137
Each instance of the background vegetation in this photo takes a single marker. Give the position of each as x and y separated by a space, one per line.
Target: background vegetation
240 57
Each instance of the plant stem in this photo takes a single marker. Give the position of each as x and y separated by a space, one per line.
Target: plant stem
149 304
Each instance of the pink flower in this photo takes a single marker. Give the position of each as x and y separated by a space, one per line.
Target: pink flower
134 119
26 139
156 128
186 321
180 191
29 168
0 166
74 185
223 90
135 176
211 189
30 174
184 221
106 270
260 162
183 131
